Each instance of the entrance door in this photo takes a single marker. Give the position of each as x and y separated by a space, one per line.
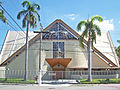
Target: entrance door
60 73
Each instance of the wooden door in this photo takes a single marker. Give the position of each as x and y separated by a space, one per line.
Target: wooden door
60 74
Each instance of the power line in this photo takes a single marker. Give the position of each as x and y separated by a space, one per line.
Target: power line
37 43
11 17
50 50
14 29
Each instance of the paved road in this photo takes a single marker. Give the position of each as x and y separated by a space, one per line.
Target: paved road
61 87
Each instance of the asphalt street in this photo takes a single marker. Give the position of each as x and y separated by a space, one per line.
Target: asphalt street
61 87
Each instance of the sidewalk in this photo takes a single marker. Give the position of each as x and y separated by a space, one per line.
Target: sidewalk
60 81
111 85
60 87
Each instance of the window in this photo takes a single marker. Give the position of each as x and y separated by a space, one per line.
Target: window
58 49
58 32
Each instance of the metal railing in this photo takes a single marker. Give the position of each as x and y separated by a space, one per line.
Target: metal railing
15 75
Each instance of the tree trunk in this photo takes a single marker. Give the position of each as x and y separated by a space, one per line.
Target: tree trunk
26 54
89 60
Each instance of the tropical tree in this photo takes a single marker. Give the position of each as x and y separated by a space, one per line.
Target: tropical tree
117 49
90 31
29 20
2 17
118 41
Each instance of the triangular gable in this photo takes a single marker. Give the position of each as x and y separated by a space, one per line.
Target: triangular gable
59 31
70 30
64 25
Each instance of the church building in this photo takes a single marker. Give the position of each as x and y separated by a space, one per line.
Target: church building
60 50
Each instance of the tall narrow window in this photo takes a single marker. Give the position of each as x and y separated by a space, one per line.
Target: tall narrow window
58 49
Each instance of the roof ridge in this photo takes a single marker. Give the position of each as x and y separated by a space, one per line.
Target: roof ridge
112 46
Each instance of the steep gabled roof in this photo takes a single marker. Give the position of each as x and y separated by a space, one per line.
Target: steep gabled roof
95 50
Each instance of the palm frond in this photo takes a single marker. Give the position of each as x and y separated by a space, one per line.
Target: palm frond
26 3
33 22
81 42
80 24
21 13
1 11
97 17
25 19
93 36
37 6
24 23
97 29
85 33
117 49
32 8
37 15
118 41
2 17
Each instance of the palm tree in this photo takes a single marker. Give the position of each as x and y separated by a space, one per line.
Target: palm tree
29 20
118 50
89 32
118 41
2 17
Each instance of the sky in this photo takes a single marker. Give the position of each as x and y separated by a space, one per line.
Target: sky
70 11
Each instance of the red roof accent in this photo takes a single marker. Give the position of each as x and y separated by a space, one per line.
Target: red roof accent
54 61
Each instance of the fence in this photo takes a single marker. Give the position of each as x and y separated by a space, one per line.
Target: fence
76 75
57 75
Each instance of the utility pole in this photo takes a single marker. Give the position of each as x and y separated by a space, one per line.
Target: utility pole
40 58
40 71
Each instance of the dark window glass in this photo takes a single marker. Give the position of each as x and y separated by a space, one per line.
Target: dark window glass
59 32
58 49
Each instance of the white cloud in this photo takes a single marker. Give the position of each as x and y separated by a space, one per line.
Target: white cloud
119 22
106 25
71 16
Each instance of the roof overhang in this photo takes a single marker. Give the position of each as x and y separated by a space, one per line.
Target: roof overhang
54 61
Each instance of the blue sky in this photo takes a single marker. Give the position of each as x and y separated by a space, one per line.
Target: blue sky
70 11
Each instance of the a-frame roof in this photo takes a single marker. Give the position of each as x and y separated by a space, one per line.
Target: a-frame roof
96 51
59 20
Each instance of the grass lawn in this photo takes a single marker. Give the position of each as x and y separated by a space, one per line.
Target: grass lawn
16 81
82 81
100 81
